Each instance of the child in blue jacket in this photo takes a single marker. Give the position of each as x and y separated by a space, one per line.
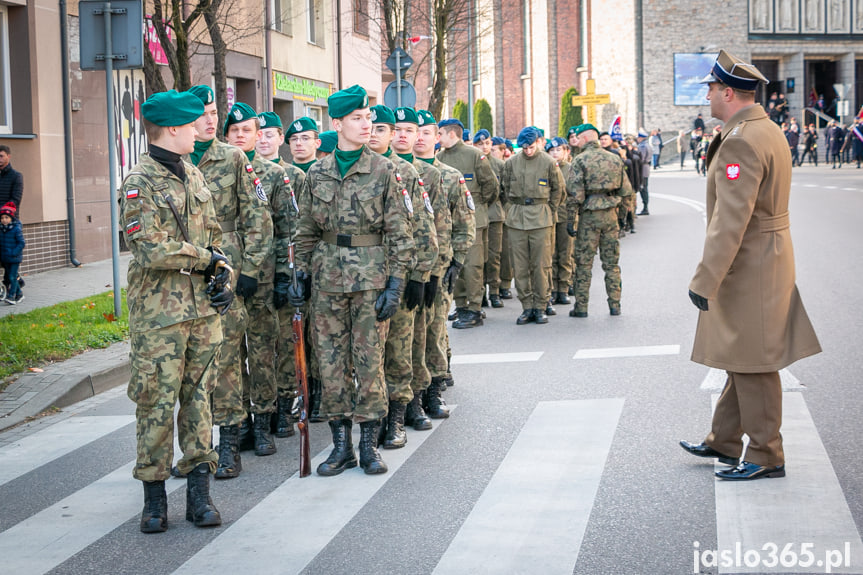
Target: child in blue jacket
11 252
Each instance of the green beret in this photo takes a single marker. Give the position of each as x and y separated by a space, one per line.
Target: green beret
270 120
346 101
572 130
240 112
408 115
424 117
204 92
172 108
303 124
584 128
329 141
382 115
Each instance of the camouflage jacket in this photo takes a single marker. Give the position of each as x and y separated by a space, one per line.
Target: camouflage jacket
461 209
422 221
596 180
240 205
478 176
286 235
368 200
297 175
277 186
560 213
159 294
495 210
433 190
531 191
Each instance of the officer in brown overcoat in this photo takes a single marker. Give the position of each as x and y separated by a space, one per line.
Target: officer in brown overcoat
752 322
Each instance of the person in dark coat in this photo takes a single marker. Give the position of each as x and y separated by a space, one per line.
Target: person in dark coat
11 180
837 139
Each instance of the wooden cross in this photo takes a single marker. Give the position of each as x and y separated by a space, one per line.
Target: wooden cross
591 100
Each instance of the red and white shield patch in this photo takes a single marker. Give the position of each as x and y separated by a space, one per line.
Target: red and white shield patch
732 171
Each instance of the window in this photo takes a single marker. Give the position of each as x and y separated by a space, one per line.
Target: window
314 22
361 17
281 14
5 86
316 114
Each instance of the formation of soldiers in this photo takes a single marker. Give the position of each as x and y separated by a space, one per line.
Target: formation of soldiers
386 234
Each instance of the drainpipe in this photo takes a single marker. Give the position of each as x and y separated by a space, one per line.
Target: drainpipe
67 133
639 61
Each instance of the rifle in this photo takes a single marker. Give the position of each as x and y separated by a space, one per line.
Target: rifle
302 381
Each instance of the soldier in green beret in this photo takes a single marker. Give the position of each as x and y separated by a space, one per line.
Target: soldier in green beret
329 139
169 223
353 251
304 141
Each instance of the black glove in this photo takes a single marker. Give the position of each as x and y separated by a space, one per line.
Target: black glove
414 294
221 299
451 275
280 290
215 258
431 291
300 290
246 286
388 301
571 230
698 301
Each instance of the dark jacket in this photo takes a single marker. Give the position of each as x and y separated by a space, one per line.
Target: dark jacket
11 243
11 186
793 138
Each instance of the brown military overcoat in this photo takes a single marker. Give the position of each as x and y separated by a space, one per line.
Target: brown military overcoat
756 321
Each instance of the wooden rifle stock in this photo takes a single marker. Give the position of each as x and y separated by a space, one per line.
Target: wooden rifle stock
302 380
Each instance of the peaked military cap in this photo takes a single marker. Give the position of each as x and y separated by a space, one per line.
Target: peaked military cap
450 122
584 128
527 136
270 120
346 101
204 92
382 115
734 73
408 115
642 133
240 112
481 135
172 108
302 124
424 118
329 141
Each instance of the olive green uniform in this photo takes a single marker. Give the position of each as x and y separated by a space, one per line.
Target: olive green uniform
498 252
561 260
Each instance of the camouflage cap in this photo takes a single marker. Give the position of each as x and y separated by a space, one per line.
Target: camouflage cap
329 141
382 115
407 115
240 112
172 108
424 117
346 101
270 120
204 92
302 124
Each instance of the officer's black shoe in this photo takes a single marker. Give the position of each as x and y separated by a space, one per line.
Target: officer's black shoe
154 517
570 291
561 298
505 293
525 317
395 434
644 212
175 472
281 424
614 309
455 314
746 471
199 507
247 436
468 319
370 457
550 310
540 317
230 464
415 416
495 300
315 393
342 456
704 450
575 313
434 403
264 442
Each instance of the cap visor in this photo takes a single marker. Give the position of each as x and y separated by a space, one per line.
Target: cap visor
708 79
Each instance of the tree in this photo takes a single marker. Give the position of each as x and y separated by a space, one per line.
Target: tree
569 115
482 118
169 14
459 111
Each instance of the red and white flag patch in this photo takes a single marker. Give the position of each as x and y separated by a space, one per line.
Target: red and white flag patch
732 171
131 194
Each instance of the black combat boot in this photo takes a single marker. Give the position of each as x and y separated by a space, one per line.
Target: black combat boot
539 316
230 464
614 308
342 456
247 437
505 293
495 300
370 458
525 317
415 416
154 517
316 393
468 319
455 314
199 507
264 442
395 436
549 310
434 403
562 298
281 422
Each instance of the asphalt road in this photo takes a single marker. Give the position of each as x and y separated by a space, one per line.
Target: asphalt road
560 456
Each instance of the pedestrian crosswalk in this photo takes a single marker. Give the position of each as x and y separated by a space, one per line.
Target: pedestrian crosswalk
531 514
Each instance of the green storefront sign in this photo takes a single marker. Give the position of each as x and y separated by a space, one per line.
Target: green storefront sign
287 86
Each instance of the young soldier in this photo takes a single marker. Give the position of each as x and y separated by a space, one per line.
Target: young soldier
483 142
304 142
354 249
170 226
561 260
499 151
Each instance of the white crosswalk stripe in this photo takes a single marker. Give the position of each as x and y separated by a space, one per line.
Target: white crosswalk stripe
639 351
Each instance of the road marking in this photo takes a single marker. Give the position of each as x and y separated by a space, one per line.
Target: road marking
811 186
46 445
528 521
806 506
644 350
849 189
496 357
258 542
828 187
715 379
694 204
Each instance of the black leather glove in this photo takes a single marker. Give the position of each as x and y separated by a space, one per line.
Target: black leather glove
414 294
215 258
221 299
571 230
280 290
451 275
698 301
431 291
300 290
246 286
388 302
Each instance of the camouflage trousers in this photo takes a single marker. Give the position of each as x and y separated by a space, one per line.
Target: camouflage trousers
421 375
398 366
437 340
228 405
561 260
531 261
261 345
175 363
597 228
469 287
505 260
491 271
350 341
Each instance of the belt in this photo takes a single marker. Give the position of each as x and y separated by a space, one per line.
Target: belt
598 192
228 226
528 201
353 241
774 223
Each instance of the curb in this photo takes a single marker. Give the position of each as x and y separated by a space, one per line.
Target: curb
64 383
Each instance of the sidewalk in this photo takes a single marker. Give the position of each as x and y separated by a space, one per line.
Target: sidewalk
64 383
